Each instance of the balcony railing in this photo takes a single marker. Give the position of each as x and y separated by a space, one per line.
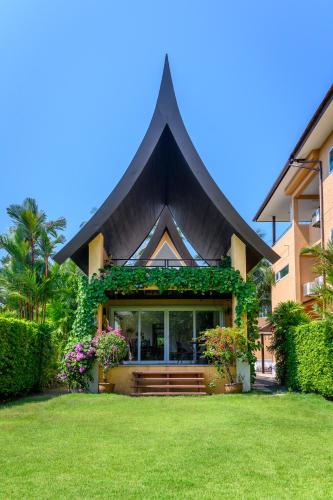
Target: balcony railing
165 263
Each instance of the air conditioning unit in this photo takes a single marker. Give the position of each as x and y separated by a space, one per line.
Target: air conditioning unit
319 281
309 288
315 219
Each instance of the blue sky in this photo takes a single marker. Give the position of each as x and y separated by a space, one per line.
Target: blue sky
79 81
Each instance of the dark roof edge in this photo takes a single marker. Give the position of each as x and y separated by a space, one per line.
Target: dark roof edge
310 126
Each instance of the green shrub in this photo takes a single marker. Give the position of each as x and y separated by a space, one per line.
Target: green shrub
27 356
310 357
285 316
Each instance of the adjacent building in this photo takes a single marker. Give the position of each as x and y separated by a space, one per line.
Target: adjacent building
295 198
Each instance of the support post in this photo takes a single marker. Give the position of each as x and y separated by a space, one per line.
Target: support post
96 262
238 261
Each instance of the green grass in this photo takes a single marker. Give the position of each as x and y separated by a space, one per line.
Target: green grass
109 446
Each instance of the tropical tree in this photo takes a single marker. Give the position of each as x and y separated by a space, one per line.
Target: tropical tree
26 281
262 276
61 309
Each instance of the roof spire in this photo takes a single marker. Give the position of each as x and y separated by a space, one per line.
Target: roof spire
166 96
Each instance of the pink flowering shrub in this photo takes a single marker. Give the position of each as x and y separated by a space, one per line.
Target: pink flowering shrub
77 364
111 349
108 346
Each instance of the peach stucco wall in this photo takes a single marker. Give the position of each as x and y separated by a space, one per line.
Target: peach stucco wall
284 289
299 236
328 187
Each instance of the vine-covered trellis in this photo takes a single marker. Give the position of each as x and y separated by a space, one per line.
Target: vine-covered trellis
125 280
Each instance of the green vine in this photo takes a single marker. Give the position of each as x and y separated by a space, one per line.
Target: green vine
124 280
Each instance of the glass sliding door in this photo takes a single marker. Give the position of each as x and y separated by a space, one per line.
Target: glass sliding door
152 335
181 340
165 335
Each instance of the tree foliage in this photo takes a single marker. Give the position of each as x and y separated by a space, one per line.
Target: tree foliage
285 316
262 276
32 286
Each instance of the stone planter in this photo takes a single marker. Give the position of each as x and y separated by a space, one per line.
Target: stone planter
105 387
234 388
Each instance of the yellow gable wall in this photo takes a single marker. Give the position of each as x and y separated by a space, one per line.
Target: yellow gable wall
166 239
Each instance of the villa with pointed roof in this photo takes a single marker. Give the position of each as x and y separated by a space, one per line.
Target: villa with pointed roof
166 212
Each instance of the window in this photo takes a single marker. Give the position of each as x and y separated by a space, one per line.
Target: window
330 161
282 273
168 335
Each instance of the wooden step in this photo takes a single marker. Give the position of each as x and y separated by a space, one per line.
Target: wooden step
168 383
169 386
162 379
169 394
170 374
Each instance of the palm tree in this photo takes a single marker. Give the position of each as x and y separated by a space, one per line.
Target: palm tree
30 220
49 239
26 283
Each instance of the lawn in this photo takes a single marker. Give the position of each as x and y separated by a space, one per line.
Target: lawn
109 446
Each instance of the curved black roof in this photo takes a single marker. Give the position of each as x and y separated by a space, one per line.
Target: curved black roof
166 171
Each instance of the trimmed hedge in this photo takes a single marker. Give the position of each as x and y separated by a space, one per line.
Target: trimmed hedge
27 356
310 357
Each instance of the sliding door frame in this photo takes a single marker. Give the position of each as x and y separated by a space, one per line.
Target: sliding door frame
165 309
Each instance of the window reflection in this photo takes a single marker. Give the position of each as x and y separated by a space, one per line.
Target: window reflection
152 335
128 322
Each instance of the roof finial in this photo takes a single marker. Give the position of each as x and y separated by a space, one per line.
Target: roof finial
166 97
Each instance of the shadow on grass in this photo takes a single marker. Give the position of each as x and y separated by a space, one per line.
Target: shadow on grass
31 398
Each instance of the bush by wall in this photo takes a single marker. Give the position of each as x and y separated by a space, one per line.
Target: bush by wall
27 356
285 316
310 357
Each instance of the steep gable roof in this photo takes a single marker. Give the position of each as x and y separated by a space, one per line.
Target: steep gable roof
166 171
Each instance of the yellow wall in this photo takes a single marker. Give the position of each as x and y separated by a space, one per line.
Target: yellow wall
96 262
123 379
96 254
238 261
238 255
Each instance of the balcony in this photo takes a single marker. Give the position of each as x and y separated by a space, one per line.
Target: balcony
170 263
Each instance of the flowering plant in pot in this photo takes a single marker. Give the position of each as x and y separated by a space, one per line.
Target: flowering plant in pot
111 349
77 365
223 346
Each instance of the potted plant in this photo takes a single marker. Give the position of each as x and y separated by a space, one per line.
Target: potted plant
111 349
223 346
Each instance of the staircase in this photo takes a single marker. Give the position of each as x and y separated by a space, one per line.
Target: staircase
168 384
